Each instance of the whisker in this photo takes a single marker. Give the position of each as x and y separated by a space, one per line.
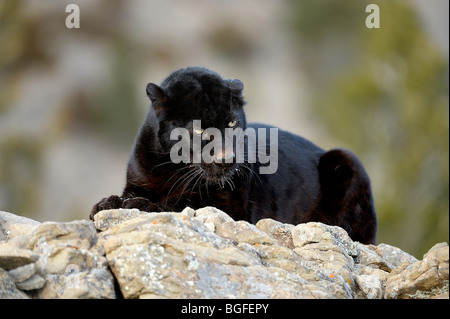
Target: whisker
199 178
186 181
156 166
230 183
175 174
179 182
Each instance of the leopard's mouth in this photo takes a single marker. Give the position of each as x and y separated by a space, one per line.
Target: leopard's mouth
219 174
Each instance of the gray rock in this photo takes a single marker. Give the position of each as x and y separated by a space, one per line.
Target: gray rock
113 217
35 282
173 255
8 289
367 257
279 231
12 257
243 232
94 284
425 278
329 248
204 253
12 226
22 273
371 286
74 264
211 217
393 255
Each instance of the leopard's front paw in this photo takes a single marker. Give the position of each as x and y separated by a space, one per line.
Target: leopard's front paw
111 202
141 203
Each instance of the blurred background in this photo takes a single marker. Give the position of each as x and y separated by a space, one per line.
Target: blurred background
72 100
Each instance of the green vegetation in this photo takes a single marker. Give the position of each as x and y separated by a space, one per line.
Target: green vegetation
388 102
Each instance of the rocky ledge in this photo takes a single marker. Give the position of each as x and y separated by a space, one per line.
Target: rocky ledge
204 253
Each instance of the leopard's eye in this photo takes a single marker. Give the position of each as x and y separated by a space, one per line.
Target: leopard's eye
198 131
232 124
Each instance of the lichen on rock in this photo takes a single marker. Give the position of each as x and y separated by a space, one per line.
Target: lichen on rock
204 253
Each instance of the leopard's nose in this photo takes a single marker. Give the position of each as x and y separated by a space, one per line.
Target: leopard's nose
224 157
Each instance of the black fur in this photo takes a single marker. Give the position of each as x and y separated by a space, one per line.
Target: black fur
310 184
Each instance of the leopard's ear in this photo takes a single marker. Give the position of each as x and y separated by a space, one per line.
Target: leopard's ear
156 95
235 85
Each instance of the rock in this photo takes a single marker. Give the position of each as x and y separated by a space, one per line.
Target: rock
437 257
328 248
12 257
367 257
371 286
211 217
168 255
76 234
204 253
8 289
35 282
115 216
163 255
22 273
426 278
279 231
395 256
74 265
12 226
243 232
96 283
